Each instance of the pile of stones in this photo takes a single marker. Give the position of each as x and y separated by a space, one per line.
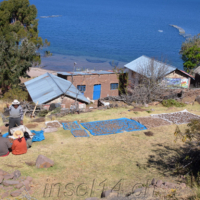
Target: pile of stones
13 184
157 190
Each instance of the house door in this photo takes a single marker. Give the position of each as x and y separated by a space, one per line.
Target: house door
97 92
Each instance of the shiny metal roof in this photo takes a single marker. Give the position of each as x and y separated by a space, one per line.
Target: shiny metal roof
143 61
48 87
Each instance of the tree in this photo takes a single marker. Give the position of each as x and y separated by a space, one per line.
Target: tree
190 51
188 163
19 41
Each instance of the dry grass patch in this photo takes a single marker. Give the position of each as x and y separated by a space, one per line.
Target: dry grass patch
124 156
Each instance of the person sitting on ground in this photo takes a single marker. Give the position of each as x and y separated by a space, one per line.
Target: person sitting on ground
5 145
19 145
28 140
16 115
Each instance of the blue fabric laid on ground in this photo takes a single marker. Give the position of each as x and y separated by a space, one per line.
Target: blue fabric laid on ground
79 133
5 135
108 127
39 136
71 125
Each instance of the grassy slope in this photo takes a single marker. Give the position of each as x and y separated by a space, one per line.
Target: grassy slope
113 157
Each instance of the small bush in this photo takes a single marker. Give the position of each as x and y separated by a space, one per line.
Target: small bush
57 110
16 93
172 102
43 113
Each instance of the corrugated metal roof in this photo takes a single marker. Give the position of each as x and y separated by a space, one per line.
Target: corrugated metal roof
85 73
143 61
48 86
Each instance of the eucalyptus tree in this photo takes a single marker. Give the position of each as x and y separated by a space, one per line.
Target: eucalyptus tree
19 41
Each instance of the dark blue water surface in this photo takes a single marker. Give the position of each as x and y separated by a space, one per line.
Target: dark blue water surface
119 30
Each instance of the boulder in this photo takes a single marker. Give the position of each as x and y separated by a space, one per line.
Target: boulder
8 188
9 176
92 198
3 172
159 183
1 179
17 174
10 182
4 195
108 193
44 162
20 185
188 99
15 193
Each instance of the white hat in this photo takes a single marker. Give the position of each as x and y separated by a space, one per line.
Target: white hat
15 102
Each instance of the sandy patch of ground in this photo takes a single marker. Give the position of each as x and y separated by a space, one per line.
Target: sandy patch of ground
150 122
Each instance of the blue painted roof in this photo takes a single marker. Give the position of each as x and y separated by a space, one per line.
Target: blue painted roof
84 73
48 86
144 61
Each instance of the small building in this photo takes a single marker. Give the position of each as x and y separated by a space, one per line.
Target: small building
173 77
196 73
93 84
49 88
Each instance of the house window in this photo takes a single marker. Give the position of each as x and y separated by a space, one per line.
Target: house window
81 88
114 86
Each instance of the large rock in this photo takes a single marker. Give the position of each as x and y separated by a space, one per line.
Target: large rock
20 185
4 195
9 176
159 183
92 198
10 182
3 172
44 162
108 193
15 193
17 174
1 179
188 99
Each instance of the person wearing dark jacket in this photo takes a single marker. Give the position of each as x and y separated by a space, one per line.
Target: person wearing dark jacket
5 145
28 140
16 115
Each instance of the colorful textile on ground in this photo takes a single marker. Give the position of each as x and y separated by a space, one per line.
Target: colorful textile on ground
71 125
5 135
79 133
108 127
39 136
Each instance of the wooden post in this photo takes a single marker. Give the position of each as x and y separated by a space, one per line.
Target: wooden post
34 109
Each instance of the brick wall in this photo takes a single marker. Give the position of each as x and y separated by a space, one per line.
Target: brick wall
90 80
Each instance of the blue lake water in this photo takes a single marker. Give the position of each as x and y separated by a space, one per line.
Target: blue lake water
94 33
